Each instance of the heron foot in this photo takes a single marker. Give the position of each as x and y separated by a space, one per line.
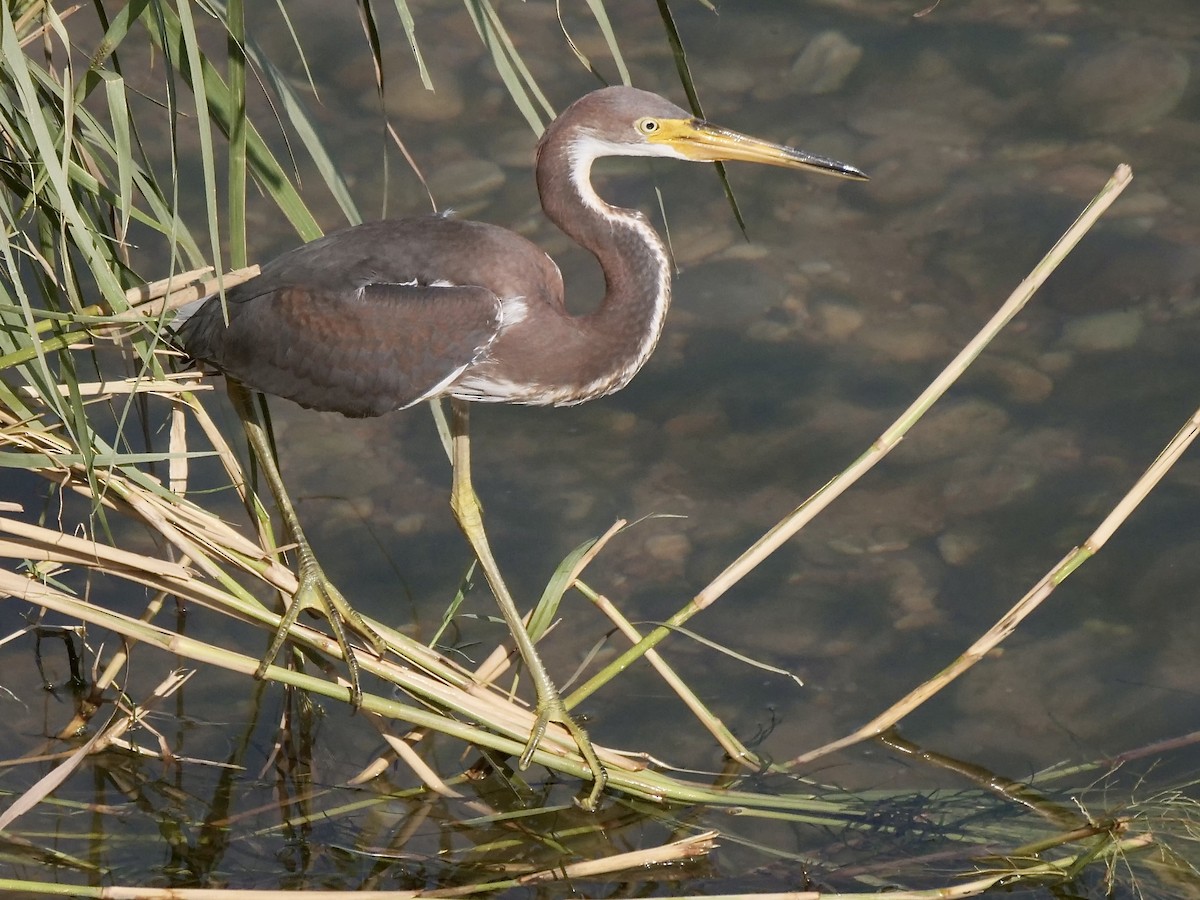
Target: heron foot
552 709
316 592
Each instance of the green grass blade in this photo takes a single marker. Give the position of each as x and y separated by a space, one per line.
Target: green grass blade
235 19
503 52
56 174
410 33
118 112
303 57
547 607
689 88
267 171
298 117
235 122
600 14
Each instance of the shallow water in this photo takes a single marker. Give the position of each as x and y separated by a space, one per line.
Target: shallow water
986 128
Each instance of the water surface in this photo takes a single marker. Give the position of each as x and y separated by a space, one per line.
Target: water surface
986 129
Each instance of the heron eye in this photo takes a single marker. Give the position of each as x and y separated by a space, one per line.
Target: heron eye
648 126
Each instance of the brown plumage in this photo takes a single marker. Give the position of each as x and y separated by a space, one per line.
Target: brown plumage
380 316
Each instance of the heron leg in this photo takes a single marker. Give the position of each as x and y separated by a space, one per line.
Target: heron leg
550 707
315 590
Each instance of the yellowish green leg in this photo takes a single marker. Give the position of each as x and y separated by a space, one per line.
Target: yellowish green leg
550 707
315 590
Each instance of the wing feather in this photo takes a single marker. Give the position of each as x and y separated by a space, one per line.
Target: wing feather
359 352
374 317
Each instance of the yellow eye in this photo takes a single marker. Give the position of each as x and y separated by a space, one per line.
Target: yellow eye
648 126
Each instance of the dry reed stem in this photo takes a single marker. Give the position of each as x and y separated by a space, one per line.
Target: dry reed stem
1008 623
682 850
500 659
1035 872
675 852
145 298
48 783
512 723
790 525
170 383
224 452
153 290
434 782
787 528
173 519
107 736
734 748
507 727
46 543
114 666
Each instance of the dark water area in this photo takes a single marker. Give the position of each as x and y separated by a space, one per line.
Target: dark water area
985 128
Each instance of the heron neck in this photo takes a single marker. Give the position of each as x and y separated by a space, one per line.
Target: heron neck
627 324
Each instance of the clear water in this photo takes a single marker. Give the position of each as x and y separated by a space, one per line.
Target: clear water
986 128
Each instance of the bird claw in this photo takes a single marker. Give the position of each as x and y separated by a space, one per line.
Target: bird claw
315 591
552 709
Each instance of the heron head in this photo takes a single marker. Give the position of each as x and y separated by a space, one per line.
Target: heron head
625 121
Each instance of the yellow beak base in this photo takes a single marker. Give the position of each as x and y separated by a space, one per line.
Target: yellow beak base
698 140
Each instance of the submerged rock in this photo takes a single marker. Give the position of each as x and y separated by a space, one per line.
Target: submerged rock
826 63
1123 87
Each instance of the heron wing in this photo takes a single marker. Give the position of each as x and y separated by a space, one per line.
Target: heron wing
361 353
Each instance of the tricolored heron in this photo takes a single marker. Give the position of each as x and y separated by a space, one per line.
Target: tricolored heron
380 316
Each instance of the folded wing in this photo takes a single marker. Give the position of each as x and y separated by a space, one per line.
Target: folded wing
359 352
